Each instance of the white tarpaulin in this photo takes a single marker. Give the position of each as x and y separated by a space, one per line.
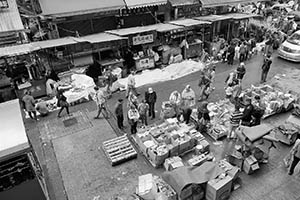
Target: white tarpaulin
171 72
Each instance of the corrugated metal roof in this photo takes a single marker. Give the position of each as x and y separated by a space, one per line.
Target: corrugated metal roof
165 27
10 19
188 22
213 18
16 50
131 31
100 37
144 3
73 7
214 3
54 43
183 2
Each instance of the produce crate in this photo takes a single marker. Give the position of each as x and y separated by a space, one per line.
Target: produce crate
119 150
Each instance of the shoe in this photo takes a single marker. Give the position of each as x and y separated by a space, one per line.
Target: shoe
96 117
59 116
290 173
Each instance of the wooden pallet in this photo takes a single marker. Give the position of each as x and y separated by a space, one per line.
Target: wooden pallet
119 150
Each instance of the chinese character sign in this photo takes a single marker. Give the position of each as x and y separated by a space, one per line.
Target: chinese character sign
142 39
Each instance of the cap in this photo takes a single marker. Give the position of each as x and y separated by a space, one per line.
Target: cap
150 90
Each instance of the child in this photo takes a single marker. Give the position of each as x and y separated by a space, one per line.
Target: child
235 122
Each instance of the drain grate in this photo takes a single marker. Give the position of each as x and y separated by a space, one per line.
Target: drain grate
70 122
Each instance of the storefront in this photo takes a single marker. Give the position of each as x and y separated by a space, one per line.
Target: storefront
141 40
196 32
185 8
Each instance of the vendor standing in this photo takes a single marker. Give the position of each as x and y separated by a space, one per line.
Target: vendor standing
29 105
188 97
204 83
258 111
150 97
133 118
203 116
175 100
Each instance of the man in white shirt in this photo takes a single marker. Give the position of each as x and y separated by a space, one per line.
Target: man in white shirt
131 85
101 102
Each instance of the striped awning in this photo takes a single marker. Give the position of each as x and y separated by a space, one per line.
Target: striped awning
144 3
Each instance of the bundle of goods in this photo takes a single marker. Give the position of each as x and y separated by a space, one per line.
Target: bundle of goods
173 163
274 100
162 141
154 188
167 110
286 133
119 150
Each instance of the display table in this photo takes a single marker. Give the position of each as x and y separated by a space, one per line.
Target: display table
146 62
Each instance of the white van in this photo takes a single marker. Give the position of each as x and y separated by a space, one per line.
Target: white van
290 49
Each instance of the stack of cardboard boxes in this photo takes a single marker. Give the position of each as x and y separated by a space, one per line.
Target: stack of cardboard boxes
250 165
173 163
219 188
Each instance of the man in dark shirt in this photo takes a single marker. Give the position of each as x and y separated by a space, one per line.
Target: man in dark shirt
150 97
247 114
265 68
119 113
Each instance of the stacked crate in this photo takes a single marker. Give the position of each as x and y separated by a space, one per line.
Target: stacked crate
119 150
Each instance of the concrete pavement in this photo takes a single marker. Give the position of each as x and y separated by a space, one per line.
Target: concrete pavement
77 169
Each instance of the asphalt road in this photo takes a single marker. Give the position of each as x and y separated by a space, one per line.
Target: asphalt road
48 157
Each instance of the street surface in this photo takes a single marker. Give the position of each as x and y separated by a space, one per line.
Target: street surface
77 169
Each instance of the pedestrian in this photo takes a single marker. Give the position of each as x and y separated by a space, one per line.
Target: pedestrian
235 121
231 53
42 108
204 83
265 68
150 97
143 111
231 79
133 118
247 113
62 103
131 84
132 100
186 113
241 71
296 156
269 44
175 100
188 97
29 105
203 116
100 100
237 51
243 52
119 114
258 111
212 75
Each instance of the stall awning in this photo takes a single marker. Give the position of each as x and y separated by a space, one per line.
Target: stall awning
16 50
131 31
144 3
189 22
99 38
63 8
240 16
213 18
10 19
166 27
215 3
54 43
183 2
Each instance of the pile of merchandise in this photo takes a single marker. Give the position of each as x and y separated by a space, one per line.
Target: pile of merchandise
171 138
275 100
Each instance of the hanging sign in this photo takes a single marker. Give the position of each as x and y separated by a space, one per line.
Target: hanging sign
142 39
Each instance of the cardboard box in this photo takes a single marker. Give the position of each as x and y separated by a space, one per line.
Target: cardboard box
173 163
202 147
155 158
219 188
236 159
230 170
197 160
173 150
250 165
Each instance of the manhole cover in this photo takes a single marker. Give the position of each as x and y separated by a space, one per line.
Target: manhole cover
70 122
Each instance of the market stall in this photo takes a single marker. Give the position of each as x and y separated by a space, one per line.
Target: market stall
141 41
196 32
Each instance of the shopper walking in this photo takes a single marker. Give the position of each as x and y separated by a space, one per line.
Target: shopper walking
29 105
119 114
296 156
247 113
265 68
62 103
204 83
175 100
231 52
133 118
188 97
243 52
241 71
132 100
143 111
101 102
235 121
150 97
131 84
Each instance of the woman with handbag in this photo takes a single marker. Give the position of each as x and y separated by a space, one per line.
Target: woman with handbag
62 103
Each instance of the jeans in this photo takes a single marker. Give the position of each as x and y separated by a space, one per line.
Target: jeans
143 118
62 108
133 128
294 164
100 108
120 119
264 75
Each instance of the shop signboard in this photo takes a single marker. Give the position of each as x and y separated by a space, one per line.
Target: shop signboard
146 63
142 39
